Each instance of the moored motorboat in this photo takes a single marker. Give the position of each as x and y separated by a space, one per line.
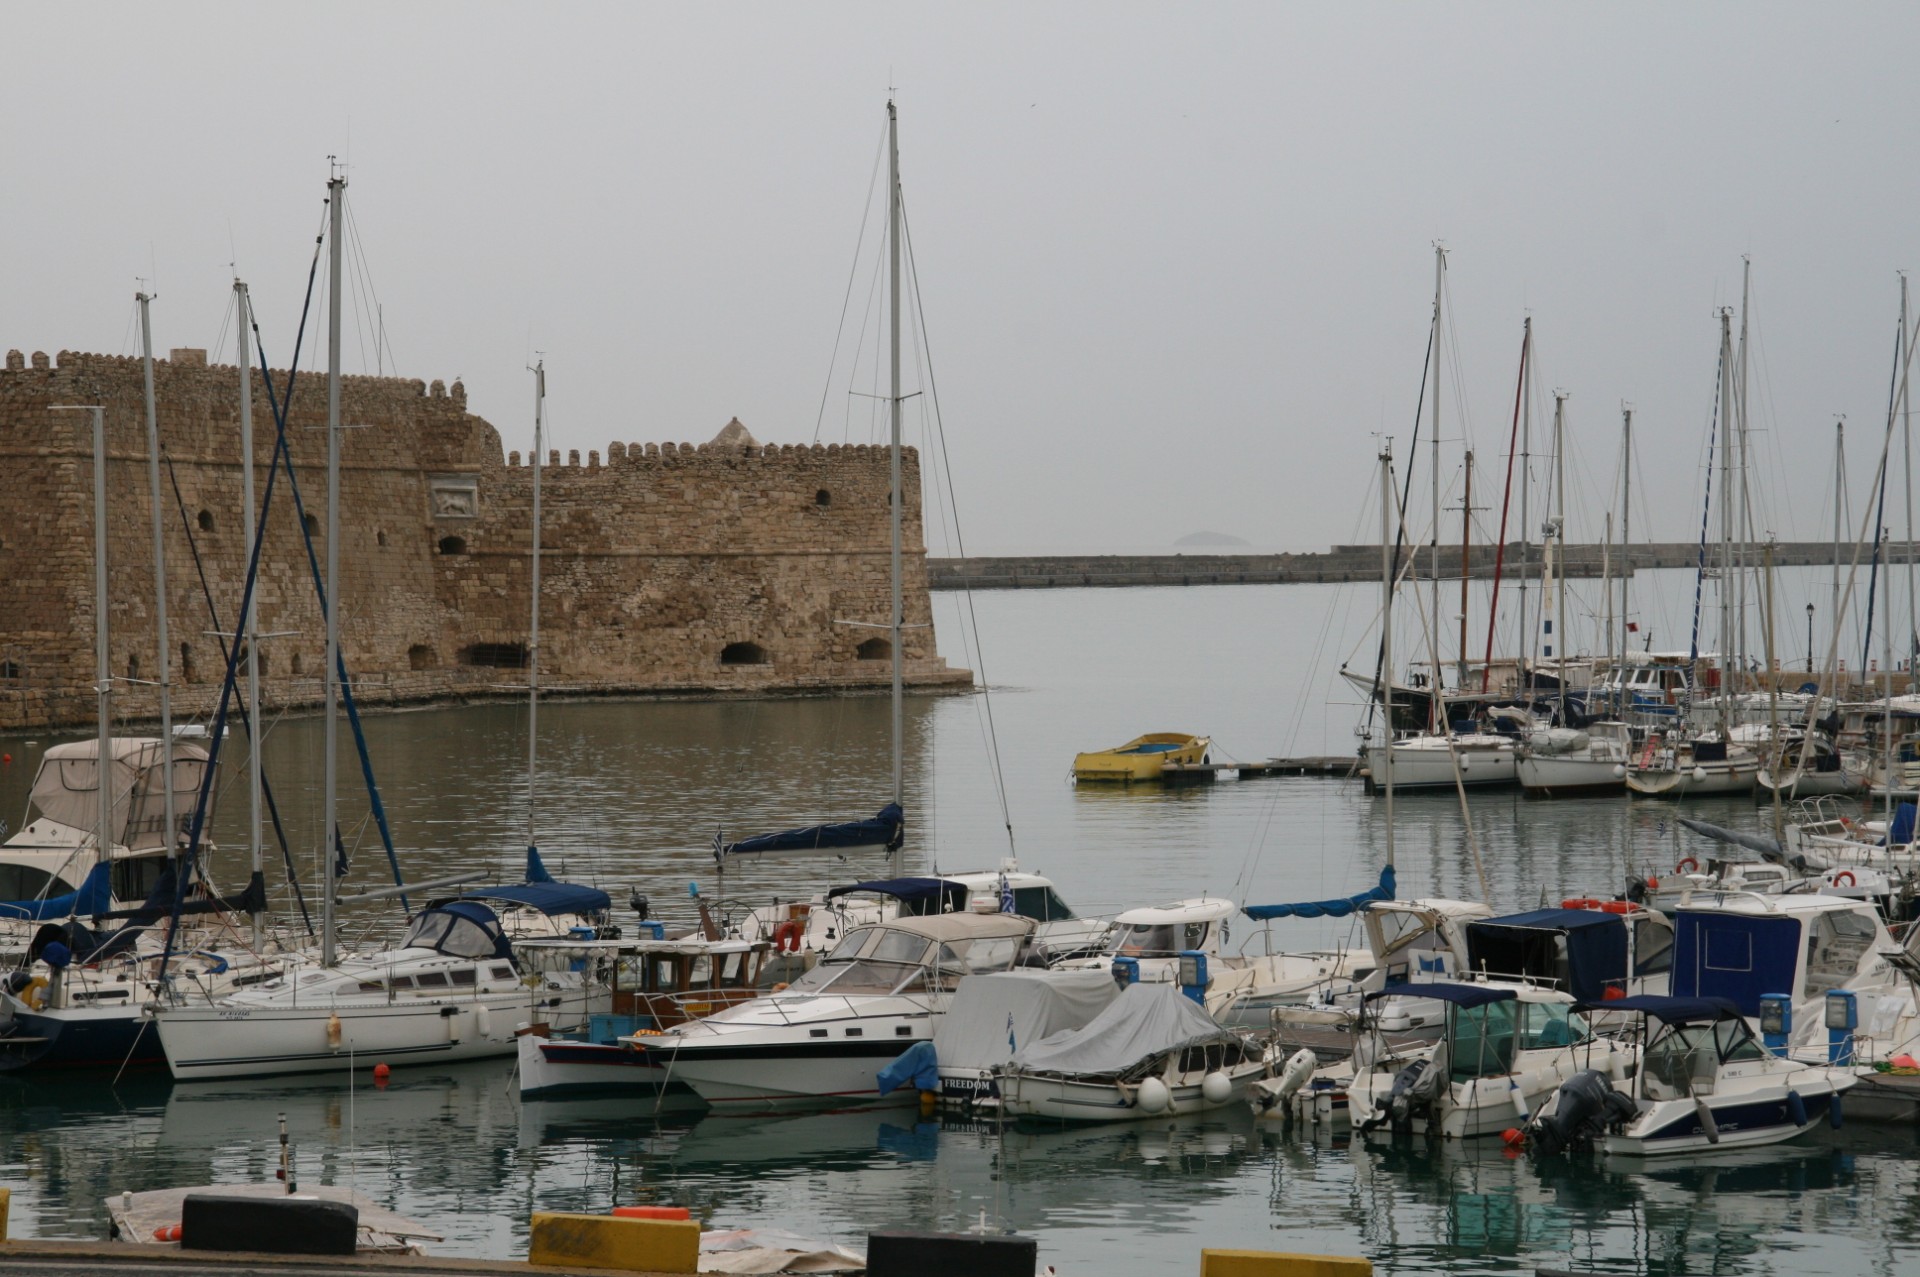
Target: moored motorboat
995 1015
1144 758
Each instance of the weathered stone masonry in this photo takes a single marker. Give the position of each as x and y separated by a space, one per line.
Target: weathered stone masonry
665 569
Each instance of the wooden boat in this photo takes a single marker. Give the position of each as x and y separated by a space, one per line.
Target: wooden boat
1144 758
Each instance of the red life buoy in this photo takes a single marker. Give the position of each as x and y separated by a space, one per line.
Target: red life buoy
1580 902
787 936
1687 866
1619 906
1848 875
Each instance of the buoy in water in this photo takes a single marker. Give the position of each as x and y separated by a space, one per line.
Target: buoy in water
6 758
1217 1088
381 1072
1153 1096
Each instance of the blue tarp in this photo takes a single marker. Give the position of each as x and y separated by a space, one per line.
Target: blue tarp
1326 908
909 890
1738 957
887 829
548 897
917 1067
1584 949
1902 831
1672 1010
1464 995
94 896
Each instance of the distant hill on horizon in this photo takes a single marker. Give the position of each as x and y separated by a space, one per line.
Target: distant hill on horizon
1195 539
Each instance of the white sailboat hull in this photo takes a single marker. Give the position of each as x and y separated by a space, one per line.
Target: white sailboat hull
1431 766
1549 776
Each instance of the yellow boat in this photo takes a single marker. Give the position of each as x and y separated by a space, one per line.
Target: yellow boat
1142 758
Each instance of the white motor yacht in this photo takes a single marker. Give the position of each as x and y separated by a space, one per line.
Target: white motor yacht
825 1037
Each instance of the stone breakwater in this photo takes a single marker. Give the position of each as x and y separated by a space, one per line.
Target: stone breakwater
728 568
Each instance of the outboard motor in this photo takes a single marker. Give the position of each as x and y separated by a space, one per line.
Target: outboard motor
1583 1109
1636 889
1413 1090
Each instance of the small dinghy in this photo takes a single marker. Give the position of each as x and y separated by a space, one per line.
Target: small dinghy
1152 1052
1143 758
1705 1082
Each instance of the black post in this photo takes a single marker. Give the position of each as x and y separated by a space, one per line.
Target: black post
1809 638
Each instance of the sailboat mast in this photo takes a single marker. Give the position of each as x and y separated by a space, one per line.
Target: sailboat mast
1743 522
894 615
249 624
1839 495
1726 522
1626 523
1439 334
533 593
1386 634
1466 565
172 832
1528 645
1559 652
336 194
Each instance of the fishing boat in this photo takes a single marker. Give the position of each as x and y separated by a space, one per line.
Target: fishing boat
1144 758
651 985
1705 1082
1153 1052
824 1038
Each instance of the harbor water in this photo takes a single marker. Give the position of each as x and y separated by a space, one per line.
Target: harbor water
630 796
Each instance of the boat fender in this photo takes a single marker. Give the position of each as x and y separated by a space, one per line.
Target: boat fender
1707 1124
333 1031
1519 1098
1618 906
787 936
1299 1068
482 1020
1796 1108
35 993
1152 1096
1834 1116
1216 1088
1687 866
1846 874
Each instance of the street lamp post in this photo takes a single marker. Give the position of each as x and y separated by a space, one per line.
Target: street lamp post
1809 638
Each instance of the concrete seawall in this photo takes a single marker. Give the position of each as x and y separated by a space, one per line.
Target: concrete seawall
1341 563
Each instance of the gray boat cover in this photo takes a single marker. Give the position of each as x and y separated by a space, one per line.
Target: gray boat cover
993 1015
1145 1020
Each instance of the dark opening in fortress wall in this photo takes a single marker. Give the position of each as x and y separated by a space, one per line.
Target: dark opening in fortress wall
727 568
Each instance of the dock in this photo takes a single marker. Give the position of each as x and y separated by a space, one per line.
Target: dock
1318 765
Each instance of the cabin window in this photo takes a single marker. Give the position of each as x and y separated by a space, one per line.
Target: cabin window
372 986
1481 1040
420 657
823 498
1653 949
206 520
500 973
433 979
1836 943
463 978
453 545
403 982
874 649
23 882
743 654
500 656
1040 903
1735 1041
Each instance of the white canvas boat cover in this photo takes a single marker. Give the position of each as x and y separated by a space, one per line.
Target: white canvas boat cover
994 1014
1145 1020
66 789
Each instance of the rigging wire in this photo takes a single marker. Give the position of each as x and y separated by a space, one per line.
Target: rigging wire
853 271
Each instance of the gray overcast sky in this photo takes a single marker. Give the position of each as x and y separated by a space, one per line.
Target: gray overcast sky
1176 259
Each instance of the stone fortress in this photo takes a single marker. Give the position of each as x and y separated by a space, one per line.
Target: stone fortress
730 568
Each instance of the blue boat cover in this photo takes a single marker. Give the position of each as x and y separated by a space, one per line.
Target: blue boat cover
461 929
917 1067
1326 908
94 896
1672 1010
1596 947
909 890
1902 832
1734 956
548 897
536 867
1461 995
887 829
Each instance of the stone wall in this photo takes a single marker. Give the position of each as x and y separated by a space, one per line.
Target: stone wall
656 562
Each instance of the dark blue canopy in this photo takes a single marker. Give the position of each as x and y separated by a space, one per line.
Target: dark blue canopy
460 929
1672 1010
94 896
1326 908
887 829
548 897
909 890
1530 944
1461 995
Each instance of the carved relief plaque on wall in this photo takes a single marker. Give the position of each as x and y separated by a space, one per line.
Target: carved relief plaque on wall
454 496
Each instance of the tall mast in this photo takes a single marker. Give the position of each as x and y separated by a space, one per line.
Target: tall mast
249 624
1906 431
1626 522
1743 522
102 656
336 194
895 617
172 833
1726 522
1386 632
1528 644
1559 651
533 627
1439 316
1466 565
1839 495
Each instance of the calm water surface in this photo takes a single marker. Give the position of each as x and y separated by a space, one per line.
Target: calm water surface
631 795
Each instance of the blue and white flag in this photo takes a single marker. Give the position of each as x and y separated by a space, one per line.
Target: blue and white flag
1010 1045
717 845
1006 894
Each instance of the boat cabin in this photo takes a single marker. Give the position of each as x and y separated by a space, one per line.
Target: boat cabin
654 984
1168 931
1488 1025
917 955
1420 939
1591 949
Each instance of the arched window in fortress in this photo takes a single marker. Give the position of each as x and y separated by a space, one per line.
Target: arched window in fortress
420 657
743 654
313 525
186 664
206 520
453 545
133 665
874 649
9 670
380 538
823 498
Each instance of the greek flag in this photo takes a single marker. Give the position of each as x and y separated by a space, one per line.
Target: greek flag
717 845
1010 1045
1006 895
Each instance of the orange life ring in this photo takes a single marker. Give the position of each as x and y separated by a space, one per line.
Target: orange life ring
788 931
1687 866
1580 902
1848 875
1619 906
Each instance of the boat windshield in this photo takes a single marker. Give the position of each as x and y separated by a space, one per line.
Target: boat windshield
1401 929
1157 939
1482 1040
873 960
1684 1059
